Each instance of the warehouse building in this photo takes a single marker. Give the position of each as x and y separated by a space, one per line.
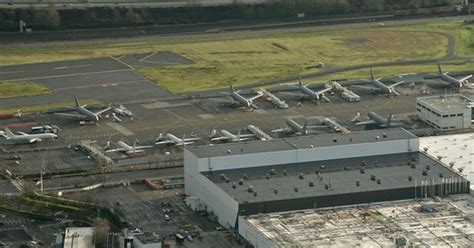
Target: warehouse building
446 112
235 180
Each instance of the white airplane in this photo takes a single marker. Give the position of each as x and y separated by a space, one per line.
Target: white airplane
230 137
122 111
170 139
307 93
294 128
83 113
459 83
125 148
379 87
28 138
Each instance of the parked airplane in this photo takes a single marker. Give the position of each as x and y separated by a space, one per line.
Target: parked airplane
308 93
277 102
239 99
294 127
124 147
28 138
380 87
170 139
333 125
453 81
379 121
84 114
121 110
230 137
261 135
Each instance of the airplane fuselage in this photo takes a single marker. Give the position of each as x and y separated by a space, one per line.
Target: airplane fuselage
379 120
309 93
241 100
122 144
90 116
383 88
27 138
294 126
229 135
452 81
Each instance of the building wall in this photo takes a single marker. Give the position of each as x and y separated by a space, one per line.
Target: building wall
214 198
307 155
456 185
449 119
253 235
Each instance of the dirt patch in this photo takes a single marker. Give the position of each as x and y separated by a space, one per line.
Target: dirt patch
357 41
280 46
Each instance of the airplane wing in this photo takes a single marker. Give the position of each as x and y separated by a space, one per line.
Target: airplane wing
22 133
247 135
255 97
31 141
116 150
396 84
78 116
364 87
365 122
135 151
191 139
103 110
323 90
142 147
465 78
282 130
165 142
315 127
221 138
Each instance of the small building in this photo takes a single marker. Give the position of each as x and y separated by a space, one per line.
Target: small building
446 112
78 237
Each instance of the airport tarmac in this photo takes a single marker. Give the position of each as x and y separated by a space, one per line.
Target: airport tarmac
107 80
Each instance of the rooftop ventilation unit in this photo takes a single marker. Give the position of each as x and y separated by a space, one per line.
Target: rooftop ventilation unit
372 177
424 173
311 184
273 172
301 176
441 175
296 188
357 183
334 140
275 191
250 189
245 175
362 170
223 177
267 176
384 135
241 181
255 193
410 178
285 173
234 186
428 167
379 181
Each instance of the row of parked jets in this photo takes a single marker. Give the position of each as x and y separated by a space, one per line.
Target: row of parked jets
378 87
292 128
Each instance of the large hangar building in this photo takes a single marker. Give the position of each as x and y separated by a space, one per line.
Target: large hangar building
242 179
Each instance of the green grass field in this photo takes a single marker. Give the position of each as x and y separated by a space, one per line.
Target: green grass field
247 58
39 108
16 89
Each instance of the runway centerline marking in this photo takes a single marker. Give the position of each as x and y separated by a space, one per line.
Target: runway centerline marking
101 85
66 75
70 67
120 128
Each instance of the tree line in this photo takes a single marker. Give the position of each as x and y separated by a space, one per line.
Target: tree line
52 18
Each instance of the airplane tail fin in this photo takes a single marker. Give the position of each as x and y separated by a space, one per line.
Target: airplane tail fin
372 74
305 126
9 133
76 100
439 69
231 87
389 120
300 82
